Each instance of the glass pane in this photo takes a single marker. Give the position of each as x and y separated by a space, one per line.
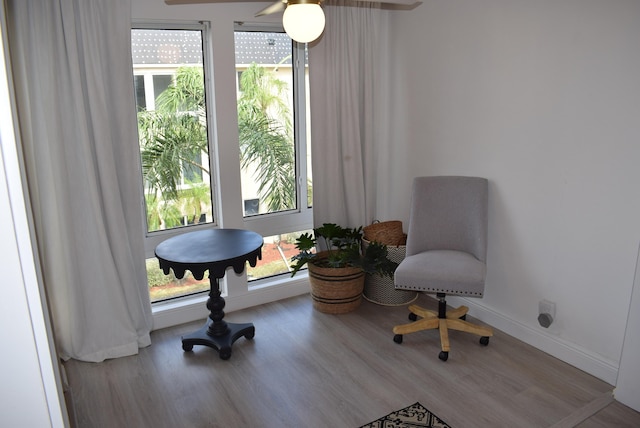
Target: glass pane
265 120
160 83
276 256
172 126
138 83
163 287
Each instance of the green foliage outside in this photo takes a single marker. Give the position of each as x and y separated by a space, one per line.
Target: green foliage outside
174 137
155 276
266 137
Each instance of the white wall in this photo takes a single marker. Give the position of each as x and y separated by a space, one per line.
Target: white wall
628 386
23 394
542 98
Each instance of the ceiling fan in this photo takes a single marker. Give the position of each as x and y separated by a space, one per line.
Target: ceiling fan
303 20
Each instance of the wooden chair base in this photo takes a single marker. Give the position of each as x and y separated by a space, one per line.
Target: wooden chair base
429 320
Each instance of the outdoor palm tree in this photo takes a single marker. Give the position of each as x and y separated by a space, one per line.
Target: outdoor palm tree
174 136
266 137
169 142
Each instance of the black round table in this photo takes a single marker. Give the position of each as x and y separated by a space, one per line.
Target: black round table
214 250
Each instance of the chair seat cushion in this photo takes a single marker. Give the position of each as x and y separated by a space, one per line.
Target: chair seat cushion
442 271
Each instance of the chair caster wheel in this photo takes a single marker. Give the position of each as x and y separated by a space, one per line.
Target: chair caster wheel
397 338
187 347
413 317
444 356
484 340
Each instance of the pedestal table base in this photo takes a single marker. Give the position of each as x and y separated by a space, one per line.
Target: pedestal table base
223 342
213 250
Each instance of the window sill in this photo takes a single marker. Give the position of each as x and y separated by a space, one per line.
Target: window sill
193 308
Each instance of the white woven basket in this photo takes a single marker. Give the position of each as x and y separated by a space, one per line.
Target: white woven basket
380 289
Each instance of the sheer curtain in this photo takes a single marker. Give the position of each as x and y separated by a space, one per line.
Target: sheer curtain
348 90
72 70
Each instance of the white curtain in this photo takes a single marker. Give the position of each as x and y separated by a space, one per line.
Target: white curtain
72 69
348 88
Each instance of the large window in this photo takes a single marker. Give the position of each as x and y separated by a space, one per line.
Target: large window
271 85
172 126
174 98
169 76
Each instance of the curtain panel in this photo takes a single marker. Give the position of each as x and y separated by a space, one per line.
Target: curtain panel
348 81
71 64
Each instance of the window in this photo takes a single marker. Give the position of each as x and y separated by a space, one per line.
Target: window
172 126
251 206
271 70
174 96
141 99
169 80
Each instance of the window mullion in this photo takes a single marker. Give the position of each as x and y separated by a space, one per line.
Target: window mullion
300 122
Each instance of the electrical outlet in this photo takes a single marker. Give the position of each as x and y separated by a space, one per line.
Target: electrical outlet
547 307
547 312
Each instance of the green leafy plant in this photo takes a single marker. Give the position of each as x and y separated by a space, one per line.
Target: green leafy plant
344 248
162 213
173 139
174 136
266 137
193 198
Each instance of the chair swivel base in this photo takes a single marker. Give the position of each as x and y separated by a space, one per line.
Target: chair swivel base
442 320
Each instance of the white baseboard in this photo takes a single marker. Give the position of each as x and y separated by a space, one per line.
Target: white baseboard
191 309
568 352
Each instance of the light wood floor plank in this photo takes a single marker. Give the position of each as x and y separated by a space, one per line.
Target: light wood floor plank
308 369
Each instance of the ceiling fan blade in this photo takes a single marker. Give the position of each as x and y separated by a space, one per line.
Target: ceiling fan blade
278 6
404 2
188 1
175 2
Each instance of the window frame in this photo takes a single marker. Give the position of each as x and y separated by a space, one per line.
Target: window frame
300 218
218 46
153 238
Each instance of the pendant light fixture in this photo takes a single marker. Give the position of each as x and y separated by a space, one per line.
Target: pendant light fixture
303 20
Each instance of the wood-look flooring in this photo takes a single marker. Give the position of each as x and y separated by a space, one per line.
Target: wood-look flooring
309 369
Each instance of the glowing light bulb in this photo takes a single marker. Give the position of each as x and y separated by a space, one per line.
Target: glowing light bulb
303 22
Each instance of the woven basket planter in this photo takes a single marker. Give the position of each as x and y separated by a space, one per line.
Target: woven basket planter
336 290
385 232
381 289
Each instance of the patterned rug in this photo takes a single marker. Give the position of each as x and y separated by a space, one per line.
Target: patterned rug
414 416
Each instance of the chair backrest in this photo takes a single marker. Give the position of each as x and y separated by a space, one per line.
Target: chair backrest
449 213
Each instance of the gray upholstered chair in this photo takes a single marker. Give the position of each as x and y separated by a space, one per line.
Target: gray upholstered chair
446 253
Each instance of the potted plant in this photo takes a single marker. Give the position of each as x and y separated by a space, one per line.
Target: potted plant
337 273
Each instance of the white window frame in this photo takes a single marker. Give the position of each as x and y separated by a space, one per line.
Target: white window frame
218 48
300 218
152 239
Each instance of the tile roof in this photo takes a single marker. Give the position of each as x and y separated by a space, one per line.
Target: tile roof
185 47
262 48
166 47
